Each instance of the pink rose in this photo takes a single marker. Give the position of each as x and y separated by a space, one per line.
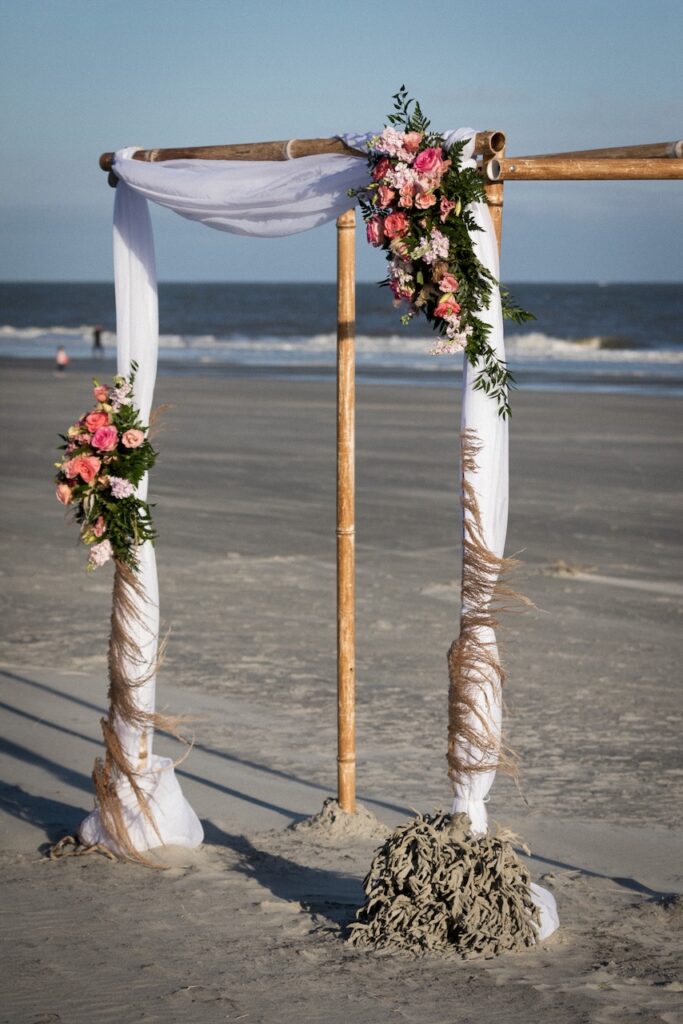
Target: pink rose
448 283
63 493
99 526
386 195
448 307
411 141
445 207
85 466
89 467
423 200
381 169
428 161
100 393
94 420
375 231
396 225
133 438
105 438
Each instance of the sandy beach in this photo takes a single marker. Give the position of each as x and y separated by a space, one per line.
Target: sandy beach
250 927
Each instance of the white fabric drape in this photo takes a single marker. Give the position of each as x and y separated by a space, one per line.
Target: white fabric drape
137 333
490 481
137 339
264 198
272 198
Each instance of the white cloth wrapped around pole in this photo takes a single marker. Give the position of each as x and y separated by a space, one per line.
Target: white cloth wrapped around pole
490 480
480 416
137 321
137 340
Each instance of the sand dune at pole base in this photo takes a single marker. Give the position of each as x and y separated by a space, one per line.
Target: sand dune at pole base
248 928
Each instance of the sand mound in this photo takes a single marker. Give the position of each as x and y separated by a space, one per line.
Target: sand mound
332 823
433 886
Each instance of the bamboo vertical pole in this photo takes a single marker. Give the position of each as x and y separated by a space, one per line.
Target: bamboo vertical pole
494 197
346 402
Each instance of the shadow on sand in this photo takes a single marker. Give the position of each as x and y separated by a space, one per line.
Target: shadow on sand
329 897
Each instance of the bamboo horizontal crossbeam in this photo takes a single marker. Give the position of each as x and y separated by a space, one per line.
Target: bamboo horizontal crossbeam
487 144
658 150
284 149
581 169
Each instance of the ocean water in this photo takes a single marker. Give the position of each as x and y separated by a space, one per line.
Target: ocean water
585 336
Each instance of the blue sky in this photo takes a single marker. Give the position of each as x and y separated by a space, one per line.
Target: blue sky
83 76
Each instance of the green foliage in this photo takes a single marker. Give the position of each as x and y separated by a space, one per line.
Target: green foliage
410 122
511 311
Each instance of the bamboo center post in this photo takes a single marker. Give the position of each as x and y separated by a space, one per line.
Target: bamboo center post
346 584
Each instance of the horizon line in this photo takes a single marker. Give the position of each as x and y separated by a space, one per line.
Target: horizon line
222 281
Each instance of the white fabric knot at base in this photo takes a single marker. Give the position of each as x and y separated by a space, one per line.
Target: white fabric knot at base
176 823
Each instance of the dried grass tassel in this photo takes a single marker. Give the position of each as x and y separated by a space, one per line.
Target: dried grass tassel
475 673
129 669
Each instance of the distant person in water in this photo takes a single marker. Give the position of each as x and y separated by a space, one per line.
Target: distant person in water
97 346
61 361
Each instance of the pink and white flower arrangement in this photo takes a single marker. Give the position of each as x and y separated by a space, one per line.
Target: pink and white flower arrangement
106 452
417 208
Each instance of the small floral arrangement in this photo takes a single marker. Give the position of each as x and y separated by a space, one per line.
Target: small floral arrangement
417 208
106 454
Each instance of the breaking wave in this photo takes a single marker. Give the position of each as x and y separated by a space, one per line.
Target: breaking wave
399 351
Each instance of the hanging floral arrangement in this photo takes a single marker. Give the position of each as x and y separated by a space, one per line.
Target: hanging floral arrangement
417 208
106 454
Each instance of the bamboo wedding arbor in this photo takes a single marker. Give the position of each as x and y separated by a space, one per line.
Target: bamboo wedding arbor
657 161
